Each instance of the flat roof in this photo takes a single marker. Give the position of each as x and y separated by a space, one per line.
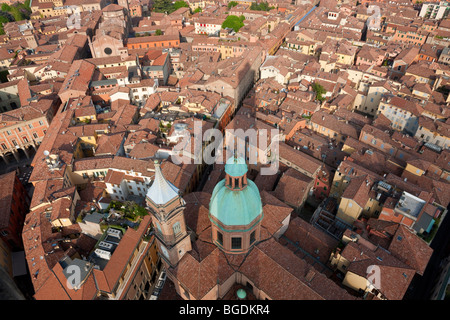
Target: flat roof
410 205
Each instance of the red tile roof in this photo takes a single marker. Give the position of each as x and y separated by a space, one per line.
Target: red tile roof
311 239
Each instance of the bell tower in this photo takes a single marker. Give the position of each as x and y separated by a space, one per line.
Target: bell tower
125 5
166 207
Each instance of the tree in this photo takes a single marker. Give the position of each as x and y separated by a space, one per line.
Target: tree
158 32
3 20
180 4
198 10
17 14
233 22
232 4
319 90
262 6
18 11
6 7
163 6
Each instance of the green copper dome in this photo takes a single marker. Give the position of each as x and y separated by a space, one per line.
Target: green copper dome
241 294
235 207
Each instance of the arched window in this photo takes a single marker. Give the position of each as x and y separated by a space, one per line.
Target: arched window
158 227
176 228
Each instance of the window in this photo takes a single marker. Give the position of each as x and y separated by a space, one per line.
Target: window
236 243
176 228
252 237
4 146
219 238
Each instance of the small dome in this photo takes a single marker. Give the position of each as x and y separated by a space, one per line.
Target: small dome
236 167
241 294
235 207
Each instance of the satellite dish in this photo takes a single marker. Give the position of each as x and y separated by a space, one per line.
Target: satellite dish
46 153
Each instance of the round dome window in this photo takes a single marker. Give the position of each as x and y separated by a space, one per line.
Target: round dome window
108 50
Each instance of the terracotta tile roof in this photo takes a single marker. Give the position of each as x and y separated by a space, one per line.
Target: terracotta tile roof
293 187
112 7
38 238
311 239
395 276
143 151
305 162
332 122
179 175
146 168
410 106
214 177
196 212
52 290
124 251
358 190
351 169
146 39
110 143
410 249
102 281
45 191
284 276
114 177
92 163
275 212
266 182
199 277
